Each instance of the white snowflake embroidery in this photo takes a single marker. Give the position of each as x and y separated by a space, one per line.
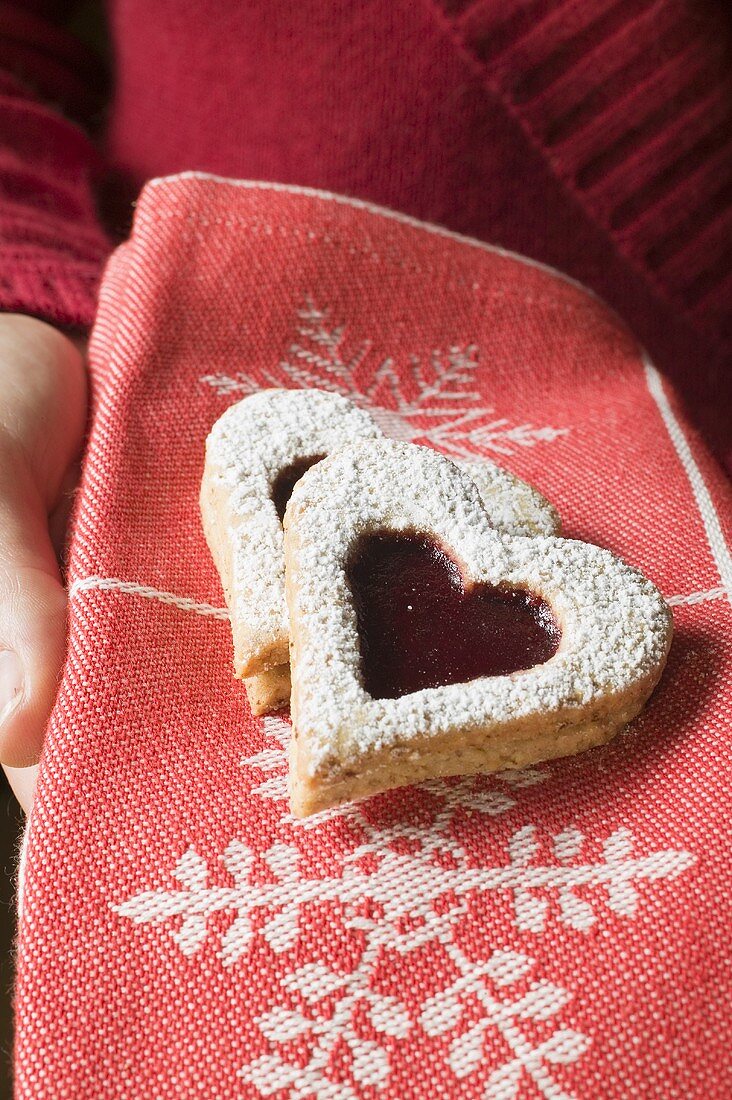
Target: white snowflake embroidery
432 867
404 887
443 1014
440 1015
434 401
312 984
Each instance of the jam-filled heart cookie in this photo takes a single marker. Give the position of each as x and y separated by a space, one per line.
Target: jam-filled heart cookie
425 643
255 454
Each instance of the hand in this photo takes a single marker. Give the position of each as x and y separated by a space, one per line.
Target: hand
42 421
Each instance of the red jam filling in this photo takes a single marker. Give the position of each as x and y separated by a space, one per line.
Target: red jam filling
420 628
287 479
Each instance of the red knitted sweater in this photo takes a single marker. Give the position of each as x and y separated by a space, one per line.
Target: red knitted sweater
591 134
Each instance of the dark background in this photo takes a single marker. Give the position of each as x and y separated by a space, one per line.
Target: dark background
11 824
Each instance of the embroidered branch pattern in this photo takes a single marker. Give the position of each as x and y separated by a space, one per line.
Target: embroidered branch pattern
434 860
403 887
313 984
441 1014
444 1013
434 401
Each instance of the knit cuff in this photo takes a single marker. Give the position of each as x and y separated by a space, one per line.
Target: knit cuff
64 293
629 104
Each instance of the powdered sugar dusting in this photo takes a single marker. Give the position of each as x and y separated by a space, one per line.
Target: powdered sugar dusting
616 627
513 506
257 438
247 448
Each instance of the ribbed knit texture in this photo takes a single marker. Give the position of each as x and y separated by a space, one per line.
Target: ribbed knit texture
590 134
631 100
51 245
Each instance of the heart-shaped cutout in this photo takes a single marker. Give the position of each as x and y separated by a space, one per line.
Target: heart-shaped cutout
255 454
287 479
615 634
420 626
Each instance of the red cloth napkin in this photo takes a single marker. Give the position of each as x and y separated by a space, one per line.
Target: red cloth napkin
555 933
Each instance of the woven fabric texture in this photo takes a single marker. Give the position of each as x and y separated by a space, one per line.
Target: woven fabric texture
558 932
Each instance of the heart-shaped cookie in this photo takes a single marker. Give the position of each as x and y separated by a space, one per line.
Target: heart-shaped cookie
380 526
255 454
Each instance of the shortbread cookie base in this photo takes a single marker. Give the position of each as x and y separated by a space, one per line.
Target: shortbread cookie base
249 446
268 691
469 753
219 520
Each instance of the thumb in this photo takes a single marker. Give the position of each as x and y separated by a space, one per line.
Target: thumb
32 616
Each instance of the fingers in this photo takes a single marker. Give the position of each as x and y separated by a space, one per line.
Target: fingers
32 617
42 417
